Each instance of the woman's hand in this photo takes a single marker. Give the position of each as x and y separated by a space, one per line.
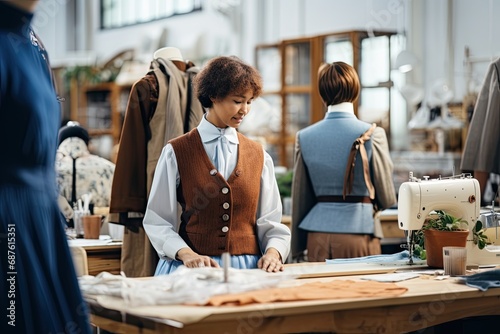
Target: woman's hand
194 260
271 261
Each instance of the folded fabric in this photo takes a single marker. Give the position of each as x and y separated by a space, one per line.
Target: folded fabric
318 290
483 280
401 256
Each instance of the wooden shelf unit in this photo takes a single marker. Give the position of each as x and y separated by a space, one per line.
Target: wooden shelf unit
104 258
101 108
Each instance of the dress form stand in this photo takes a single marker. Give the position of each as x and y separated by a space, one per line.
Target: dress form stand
172 54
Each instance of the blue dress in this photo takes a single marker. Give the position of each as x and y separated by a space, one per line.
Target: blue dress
39 291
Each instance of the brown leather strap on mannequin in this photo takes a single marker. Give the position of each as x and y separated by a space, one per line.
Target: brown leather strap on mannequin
359 145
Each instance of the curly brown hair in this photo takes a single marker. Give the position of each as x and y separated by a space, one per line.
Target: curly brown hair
224 76
338 82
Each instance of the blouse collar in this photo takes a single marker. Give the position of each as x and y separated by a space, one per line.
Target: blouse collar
209 132
342 107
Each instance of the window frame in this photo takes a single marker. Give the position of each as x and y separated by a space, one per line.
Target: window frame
137 15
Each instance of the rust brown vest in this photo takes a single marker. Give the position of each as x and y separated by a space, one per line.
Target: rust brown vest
217 215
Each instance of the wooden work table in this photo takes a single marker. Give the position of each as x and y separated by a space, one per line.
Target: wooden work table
104 258
427 302
102 255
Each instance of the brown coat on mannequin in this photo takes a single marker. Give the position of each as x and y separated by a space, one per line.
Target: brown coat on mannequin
156 112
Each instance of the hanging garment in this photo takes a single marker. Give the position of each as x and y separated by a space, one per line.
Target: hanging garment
482 148
160 108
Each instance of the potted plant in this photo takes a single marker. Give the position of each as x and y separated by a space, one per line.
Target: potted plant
285 188
445 230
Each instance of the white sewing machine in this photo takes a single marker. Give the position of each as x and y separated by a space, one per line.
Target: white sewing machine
459 196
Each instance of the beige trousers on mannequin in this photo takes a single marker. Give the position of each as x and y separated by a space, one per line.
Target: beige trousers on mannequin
322 246
140 258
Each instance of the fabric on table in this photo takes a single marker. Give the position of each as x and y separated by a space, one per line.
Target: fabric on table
483 280
189 286
397 257
310 291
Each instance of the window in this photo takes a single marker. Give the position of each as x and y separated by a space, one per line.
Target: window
121 13
290 72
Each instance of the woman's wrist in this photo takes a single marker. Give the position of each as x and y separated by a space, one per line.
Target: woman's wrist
183 253
274 251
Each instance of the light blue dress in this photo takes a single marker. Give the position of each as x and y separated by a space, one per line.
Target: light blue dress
167 266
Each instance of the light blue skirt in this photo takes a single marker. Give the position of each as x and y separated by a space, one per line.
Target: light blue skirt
167 266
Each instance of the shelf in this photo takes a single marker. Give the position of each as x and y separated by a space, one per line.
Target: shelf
101 109
100 132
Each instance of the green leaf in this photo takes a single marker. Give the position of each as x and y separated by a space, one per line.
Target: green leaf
285 184
479 226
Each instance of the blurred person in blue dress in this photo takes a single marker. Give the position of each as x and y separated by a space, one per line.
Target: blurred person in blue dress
223 181
40 292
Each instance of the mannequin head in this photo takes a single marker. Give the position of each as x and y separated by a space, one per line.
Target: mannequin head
169 53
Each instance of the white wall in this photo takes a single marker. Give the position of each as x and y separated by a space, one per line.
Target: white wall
207 33
261 21
200 34
50 22
475 25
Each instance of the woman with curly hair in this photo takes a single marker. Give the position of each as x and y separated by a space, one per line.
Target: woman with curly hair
223 181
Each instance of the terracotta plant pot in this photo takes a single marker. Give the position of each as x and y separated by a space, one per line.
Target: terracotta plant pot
435 241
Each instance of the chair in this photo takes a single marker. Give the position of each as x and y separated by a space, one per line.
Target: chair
79 260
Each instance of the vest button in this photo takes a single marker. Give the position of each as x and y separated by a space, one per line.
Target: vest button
225 229
225 190
237 172
225 217
213 172
225 205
